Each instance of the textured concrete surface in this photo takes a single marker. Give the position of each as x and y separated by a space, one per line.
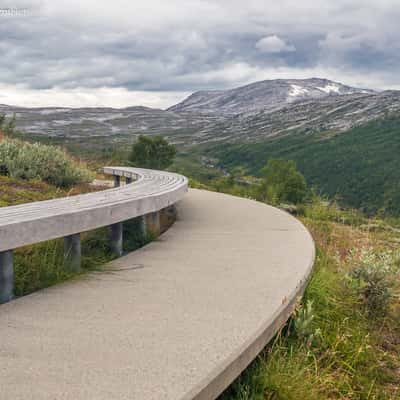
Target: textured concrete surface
175 320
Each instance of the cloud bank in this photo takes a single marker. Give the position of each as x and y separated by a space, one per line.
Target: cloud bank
124 52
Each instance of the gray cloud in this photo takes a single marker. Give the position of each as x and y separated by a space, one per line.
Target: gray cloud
178 46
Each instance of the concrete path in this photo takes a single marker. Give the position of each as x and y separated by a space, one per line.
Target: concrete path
178 319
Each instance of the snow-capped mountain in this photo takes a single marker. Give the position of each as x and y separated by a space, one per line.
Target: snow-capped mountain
262 96
251 113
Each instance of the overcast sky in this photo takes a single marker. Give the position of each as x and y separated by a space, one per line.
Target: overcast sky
154 52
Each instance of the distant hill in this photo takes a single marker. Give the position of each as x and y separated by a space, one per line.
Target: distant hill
326 114
334 113
361 166
251 113
263 96
104 121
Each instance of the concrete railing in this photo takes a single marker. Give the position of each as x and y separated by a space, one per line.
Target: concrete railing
145 194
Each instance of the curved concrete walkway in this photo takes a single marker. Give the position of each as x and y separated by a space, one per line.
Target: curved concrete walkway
178 319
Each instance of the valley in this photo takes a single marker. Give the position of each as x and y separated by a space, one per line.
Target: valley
345 140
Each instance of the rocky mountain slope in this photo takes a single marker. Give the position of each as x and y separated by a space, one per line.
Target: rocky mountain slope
329 114
266 95
98 121
292 106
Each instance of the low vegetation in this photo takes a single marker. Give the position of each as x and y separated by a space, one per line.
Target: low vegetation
17 191
7 125
152 152
34 161
281 183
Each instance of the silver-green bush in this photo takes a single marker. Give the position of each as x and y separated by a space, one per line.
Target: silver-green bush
25 160
373 279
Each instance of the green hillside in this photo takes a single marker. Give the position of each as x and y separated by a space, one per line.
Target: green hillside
360 166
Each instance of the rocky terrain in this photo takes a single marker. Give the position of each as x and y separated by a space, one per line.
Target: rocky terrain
331 114
103 122
266 95
250 113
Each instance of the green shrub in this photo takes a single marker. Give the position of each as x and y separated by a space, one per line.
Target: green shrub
7 126
319 208
283 183
152 152
303 322
372 279
50 164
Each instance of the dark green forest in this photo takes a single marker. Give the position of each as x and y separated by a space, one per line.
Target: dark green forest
361 167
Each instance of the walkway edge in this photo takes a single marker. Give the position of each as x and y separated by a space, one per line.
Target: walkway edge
218 380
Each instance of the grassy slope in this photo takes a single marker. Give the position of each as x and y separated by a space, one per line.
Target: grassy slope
361 166
16 191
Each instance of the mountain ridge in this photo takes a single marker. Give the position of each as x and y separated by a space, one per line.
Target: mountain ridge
338 111
263 95
331 114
